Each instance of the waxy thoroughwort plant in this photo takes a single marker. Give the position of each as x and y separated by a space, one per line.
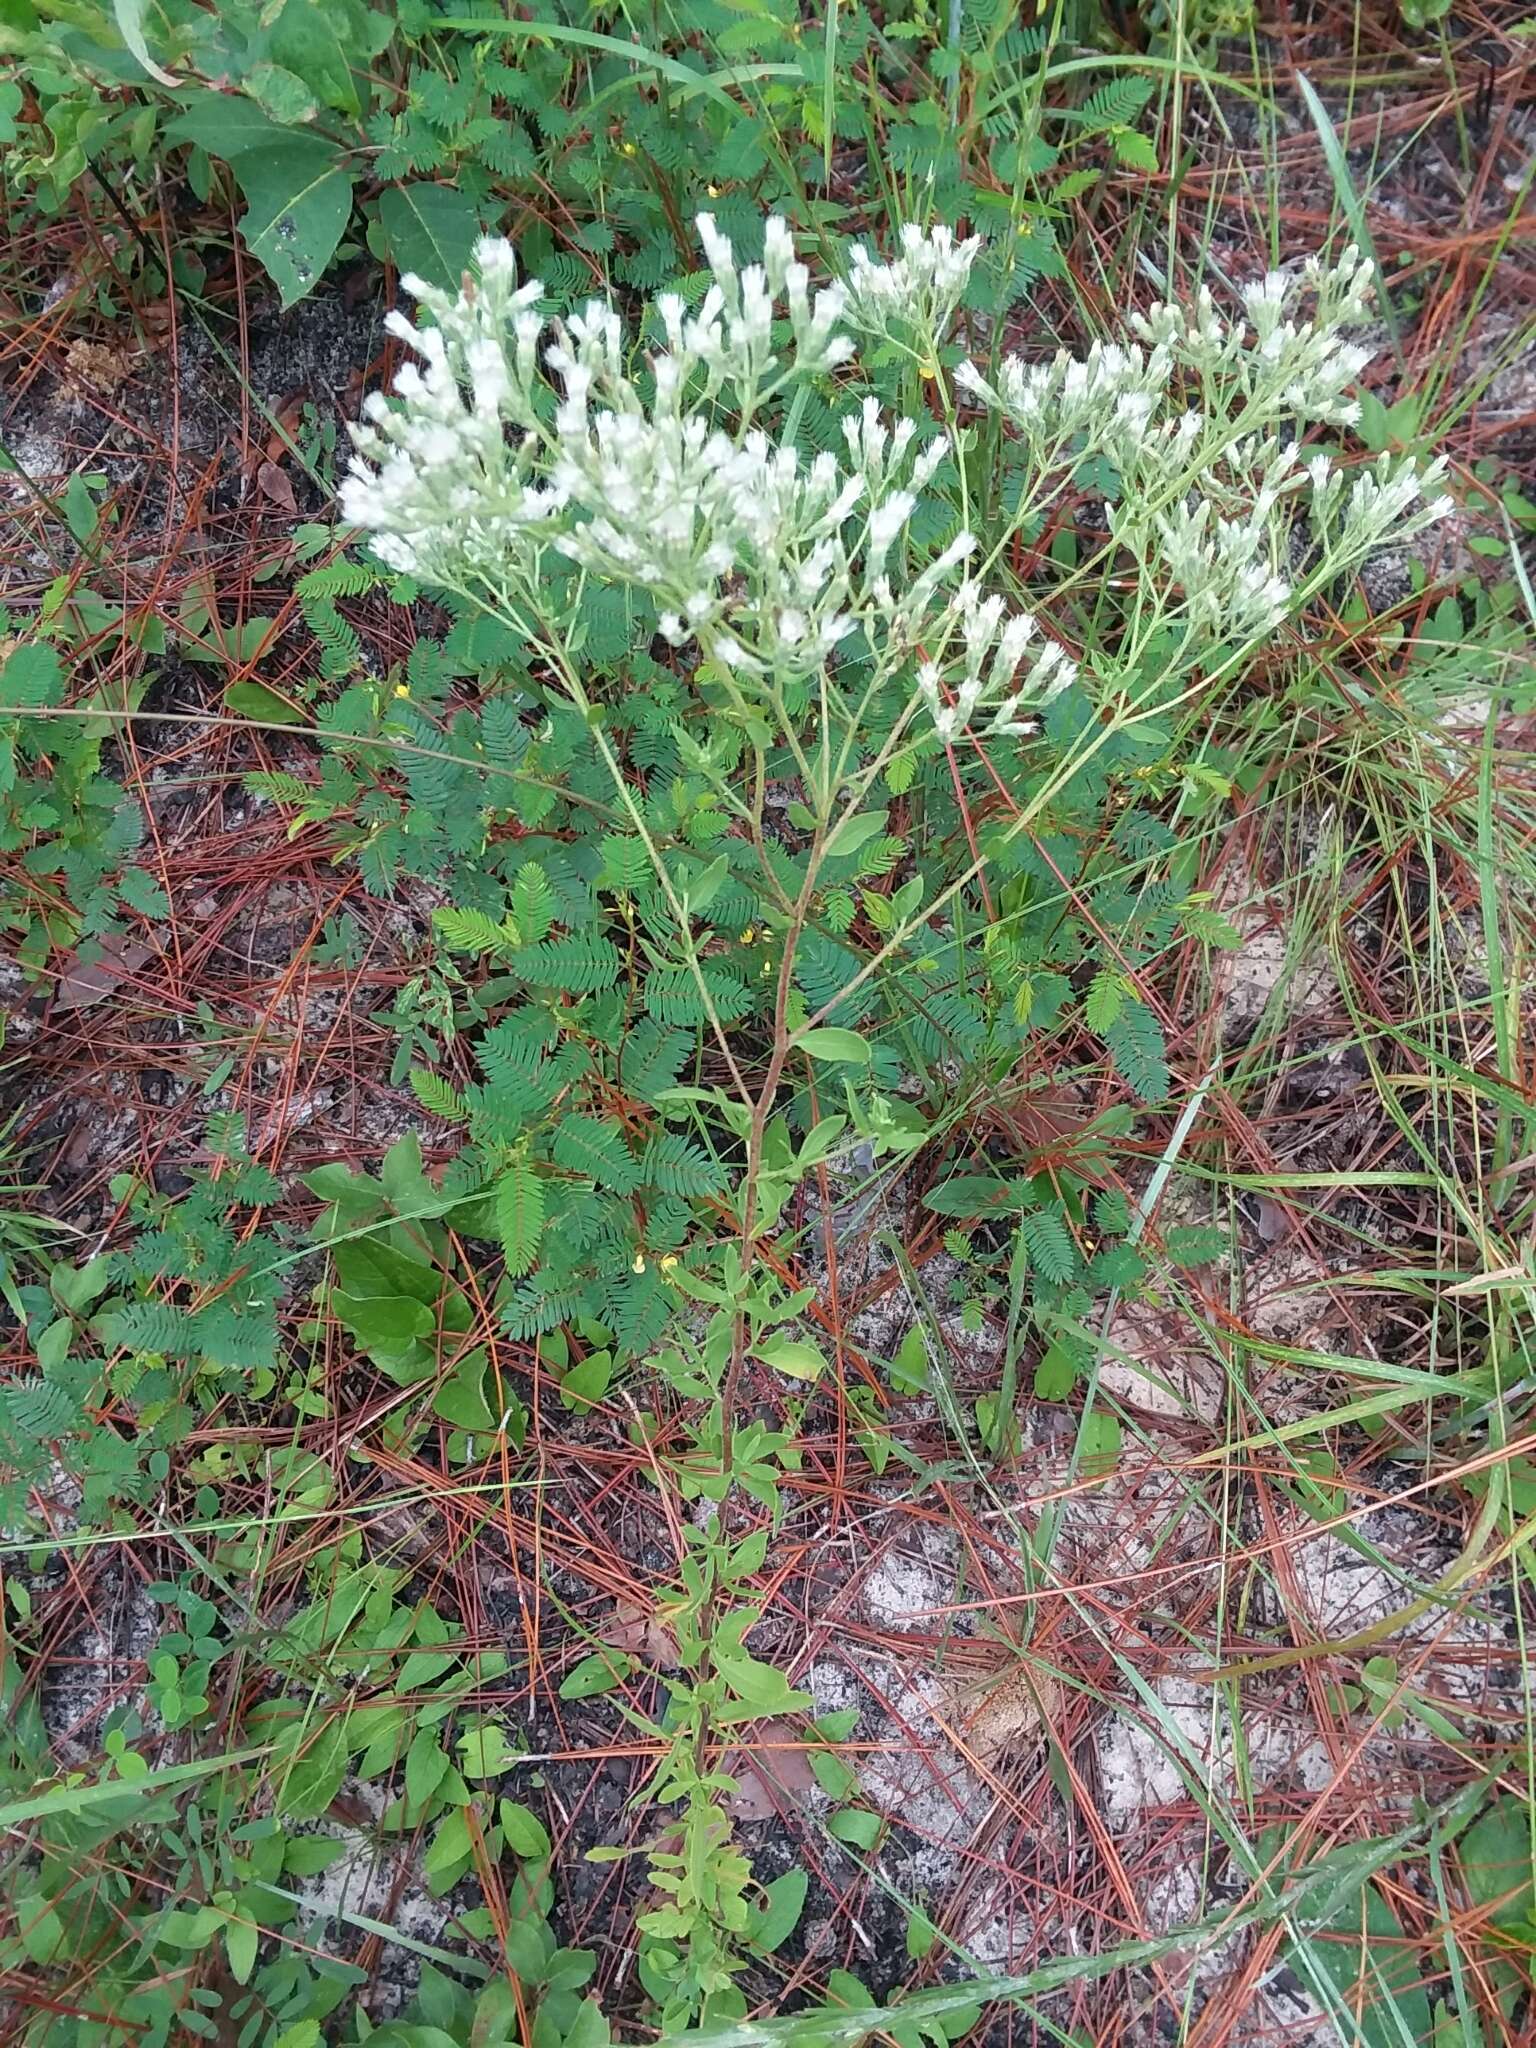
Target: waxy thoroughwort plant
828 622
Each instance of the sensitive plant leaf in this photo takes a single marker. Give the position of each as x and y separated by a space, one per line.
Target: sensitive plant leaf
437 1096
1049 1244
1195 1244
579 966
1210 927
598 1152
473 931
1137 1045
520 1216
1105 1000
533 903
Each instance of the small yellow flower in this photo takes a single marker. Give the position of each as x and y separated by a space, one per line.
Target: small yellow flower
626 149
402 689
767 970
713 191
668 1262
639 1265
927 371
749 936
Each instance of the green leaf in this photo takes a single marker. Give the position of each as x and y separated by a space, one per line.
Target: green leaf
1056 1374
82 515
1049 1244
779 1916
820 1141
430 230
837 1779
520 1216
315 44
390 1323
598 1152
1377 1971
1210 927
225 124
979 1194
462 1400
682 76
484 1751
240 1938
1496 1862
580 966
586 1383
282 94
599 1673
437 1096
1195 1244
473 931
298 202
828 1042
255 700
1099 1443
1106 999
1134 149
524 1832
790 1355
855 1826
129 16
1137 1045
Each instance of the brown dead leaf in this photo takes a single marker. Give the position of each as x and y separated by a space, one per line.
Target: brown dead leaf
81 984
276 484
772 1770
643 1633
1272 1219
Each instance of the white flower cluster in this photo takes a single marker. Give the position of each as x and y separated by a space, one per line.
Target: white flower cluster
983 670
451 492
916 295
504 447
1200 416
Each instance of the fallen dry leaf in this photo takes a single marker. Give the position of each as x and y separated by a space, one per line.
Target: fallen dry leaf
82 984
276 484
643 1633
771 1770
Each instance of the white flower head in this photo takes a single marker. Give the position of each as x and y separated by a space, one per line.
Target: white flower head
916 293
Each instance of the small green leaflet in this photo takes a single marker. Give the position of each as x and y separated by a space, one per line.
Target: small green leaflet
520 1216
830 1042
790 1355
599 1673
